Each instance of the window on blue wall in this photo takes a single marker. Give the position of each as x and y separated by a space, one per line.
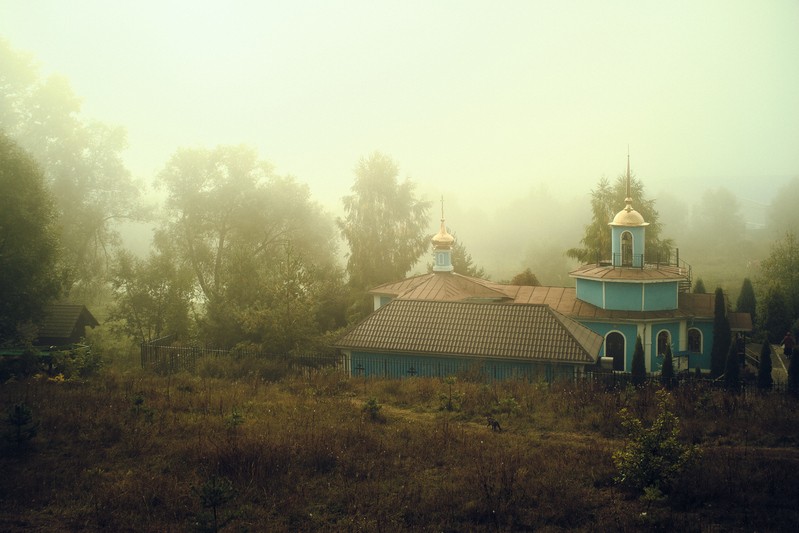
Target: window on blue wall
626 248
614 347
663 342
694 340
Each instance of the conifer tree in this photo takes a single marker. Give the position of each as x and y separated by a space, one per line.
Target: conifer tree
747 303
699 287
667 371
721 336
793 372
732 369
638 370
764 379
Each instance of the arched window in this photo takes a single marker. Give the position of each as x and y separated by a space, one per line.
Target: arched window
694 340
627 249
614 347
664 339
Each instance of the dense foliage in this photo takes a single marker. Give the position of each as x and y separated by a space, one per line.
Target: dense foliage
30 276
81 161
384 225
262 253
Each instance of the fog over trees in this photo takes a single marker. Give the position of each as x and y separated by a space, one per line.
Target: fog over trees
243 255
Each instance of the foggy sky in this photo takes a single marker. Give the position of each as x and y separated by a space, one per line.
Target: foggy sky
479 101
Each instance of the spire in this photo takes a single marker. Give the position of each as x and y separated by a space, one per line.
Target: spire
629 199
442 246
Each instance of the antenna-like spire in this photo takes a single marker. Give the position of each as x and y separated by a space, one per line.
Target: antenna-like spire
629 199
442 207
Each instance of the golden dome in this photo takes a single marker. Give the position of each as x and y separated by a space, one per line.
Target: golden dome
442 239
628 217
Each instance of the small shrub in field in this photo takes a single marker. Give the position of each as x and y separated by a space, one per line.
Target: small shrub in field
214 494
652 456
451 399
23 428
372 408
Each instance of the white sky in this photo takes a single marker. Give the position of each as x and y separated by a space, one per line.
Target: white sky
479 101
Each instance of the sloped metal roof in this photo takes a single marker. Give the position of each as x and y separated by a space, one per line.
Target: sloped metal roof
458 288
524 332
62 320
610 273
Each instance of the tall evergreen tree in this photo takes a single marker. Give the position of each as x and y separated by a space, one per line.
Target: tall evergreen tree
764 379
746 300
638 369
667 371
732 369
699 287
722 336
793 372
606 201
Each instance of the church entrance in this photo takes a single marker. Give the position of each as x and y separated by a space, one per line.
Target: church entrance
614 347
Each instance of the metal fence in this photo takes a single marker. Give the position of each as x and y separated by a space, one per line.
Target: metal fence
164 357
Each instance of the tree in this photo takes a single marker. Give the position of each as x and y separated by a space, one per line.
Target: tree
732 369
699 287
152 297
384 225
722 335
781 269
747 303
782 213
31 275
764 379
81 162
653 456
462 261
719 214
774 315
793 371
638 369
606 201
526 277
261 252
667 370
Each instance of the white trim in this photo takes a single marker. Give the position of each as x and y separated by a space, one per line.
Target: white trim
643 298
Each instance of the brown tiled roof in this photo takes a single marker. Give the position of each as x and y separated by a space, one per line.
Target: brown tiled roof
457 288
526 332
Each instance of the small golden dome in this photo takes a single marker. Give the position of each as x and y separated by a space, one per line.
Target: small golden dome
442 239
628 216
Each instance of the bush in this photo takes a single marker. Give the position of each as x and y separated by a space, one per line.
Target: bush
653 456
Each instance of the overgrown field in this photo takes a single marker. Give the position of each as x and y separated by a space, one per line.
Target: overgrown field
229 450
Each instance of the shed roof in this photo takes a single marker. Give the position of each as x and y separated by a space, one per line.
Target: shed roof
61 320
523 332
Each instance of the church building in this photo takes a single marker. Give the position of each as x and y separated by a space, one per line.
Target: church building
441 323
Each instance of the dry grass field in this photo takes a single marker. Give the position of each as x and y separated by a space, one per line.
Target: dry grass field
240 446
